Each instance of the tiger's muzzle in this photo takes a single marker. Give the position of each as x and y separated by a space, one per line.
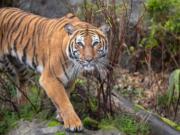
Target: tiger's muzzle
88 65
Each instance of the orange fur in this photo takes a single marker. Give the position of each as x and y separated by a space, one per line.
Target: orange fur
43 43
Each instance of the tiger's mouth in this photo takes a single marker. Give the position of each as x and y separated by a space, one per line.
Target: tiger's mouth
88 66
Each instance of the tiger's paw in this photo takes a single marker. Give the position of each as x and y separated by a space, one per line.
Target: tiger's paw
72 123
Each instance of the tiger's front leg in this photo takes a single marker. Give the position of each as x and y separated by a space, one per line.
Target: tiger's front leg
55 90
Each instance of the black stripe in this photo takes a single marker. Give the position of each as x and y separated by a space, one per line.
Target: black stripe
43 60
14 19
52 72
4 18
10 71
16 26
34 43
28 25
59 80
50 29
11 16
70 51
11 27
24 57
8 28
2 10
24 73
39 34
33 58
42 29
15 43
64 70
21 69
59 22
63 55
36 59
33 62
6 63
14 29
1 40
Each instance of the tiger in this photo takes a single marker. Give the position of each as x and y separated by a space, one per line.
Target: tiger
58 49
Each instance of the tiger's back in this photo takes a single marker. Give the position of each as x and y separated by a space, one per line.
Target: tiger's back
26 36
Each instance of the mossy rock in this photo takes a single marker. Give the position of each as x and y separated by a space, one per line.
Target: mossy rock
53 123
60 133
90 123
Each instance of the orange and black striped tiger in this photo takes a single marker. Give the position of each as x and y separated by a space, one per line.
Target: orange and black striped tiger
57 48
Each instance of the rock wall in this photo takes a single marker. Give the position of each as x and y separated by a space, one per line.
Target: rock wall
58 8
48 8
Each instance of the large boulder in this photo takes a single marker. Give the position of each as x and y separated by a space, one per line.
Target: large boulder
48 8
41 128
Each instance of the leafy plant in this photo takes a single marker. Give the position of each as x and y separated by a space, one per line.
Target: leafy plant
174 89
8 121
163 30
174 85
9 117
90 123
126 124
53 123
60 133
162 10
162 100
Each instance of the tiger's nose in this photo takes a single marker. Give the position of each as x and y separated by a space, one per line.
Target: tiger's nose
89 59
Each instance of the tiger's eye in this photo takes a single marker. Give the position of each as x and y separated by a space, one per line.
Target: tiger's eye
80 44
95 43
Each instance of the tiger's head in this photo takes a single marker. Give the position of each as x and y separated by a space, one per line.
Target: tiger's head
88 47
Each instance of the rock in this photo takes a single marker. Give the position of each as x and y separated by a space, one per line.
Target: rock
41 128
48 8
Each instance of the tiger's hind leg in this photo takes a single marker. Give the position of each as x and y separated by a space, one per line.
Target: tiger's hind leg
21 80
8 68
22 86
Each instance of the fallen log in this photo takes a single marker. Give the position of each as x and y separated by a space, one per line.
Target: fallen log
156 124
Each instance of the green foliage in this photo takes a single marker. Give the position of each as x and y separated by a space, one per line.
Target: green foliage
162 10
93 104
79 81
34 95
10 118
126 124
88 11
53 123
83 100
170 100
162 100
27 112
150 41
90 123
174 86
108 124
130 92
60 133
164 28
11 88
8 121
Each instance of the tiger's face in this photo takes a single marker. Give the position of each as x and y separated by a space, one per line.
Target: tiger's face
88 48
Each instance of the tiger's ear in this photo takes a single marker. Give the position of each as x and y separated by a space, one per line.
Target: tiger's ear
105 28
69 28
